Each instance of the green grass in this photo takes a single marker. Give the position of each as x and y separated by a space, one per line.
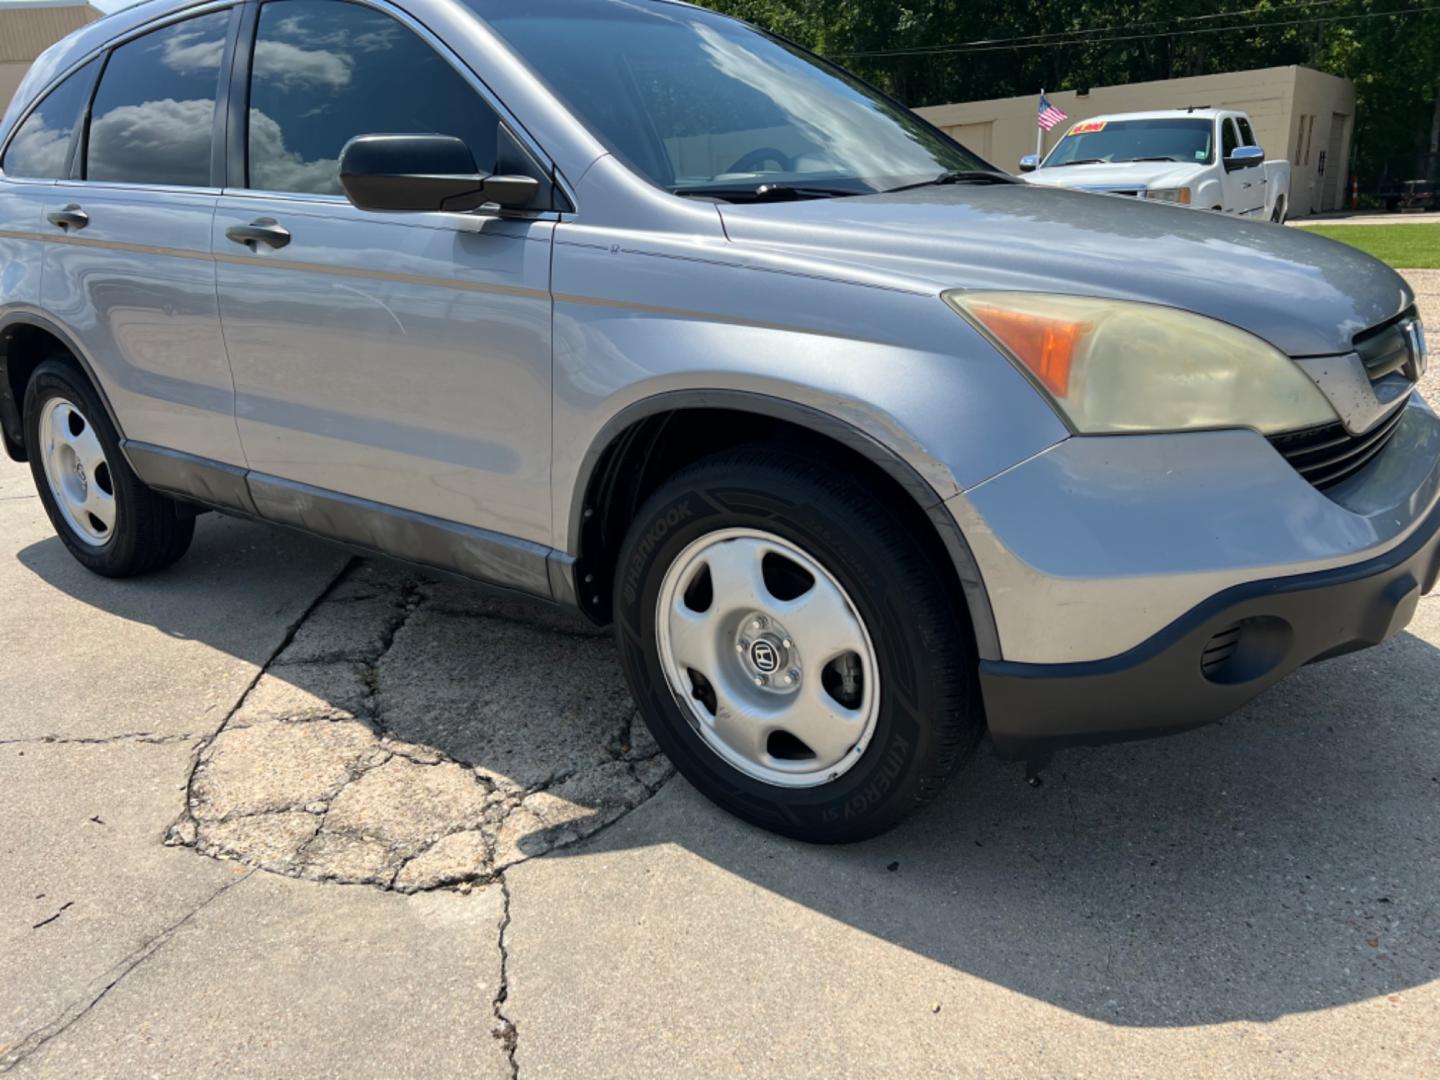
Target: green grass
1407 247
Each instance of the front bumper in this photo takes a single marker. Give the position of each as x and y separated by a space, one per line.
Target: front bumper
1215 658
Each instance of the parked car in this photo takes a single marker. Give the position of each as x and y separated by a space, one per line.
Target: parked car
865 447
1204 158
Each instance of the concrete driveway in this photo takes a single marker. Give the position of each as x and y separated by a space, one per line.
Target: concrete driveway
279 812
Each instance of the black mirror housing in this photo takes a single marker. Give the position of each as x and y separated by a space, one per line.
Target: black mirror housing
419 173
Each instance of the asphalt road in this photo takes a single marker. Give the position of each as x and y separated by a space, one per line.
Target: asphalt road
276 812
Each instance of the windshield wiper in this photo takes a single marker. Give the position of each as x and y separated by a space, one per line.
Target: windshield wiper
1162 157
764 193
1079 161
969 176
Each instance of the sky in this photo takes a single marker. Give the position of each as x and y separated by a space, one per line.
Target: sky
106 6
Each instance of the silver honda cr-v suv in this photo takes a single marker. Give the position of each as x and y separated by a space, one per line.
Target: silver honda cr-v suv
864 447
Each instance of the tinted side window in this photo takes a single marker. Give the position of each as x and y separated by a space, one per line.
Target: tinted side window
153 113
41 148
325 71
1247 137
1228 140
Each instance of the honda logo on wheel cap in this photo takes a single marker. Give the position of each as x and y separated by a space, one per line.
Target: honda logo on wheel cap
765 657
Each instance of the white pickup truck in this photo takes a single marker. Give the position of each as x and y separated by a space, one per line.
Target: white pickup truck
1206 158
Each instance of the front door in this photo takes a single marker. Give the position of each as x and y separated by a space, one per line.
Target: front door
1244 187
381 361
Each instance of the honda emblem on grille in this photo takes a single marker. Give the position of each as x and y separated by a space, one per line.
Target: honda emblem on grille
1415 332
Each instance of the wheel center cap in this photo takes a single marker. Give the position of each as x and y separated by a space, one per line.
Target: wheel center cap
767 655
82 480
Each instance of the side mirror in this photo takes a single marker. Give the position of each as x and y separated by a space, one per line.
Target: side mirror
1030 162
424 172
1244 157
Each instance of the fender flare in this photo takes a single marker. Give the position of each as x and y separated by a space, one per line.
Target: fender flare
982 617
11 419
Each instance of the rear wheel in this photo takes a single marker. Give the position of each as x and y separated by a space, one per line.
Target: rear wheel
793 646
109 520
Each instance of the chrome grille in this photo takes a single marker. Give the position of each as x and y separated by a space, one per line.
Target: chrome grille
1390 347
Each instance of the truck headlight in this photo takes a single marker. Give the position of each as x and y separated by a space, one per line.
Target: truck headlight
1179 195
1114 366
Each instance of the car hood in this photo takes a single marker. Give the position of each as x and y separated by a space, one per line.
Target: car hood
1306 295
1134 174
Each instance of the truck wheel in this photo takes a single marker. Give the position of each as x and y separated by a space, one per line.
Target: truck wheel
111 522
1278 214
793 646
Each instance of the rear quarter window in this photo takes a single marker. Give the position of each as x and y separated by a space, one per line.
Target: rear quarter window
41 147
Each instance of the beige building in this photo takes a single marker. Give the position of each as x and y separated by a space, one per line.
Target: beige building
1300 114
29 28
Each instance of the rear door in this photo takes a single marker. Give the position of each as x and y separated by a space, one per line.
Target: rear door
128 268
401 359
37 155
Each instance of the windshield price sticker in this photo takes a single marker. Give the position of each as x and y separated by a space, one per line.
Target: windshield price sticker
1087 126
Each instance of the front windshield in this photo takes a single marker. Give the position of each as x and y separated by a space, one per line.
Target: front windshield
1178 139
692 100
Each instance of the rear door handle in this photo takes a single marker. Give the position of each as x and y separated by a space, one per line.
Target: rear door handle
263 230
69 217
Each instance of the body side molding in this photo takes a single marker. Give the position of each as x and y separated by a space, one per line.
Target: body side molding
479 555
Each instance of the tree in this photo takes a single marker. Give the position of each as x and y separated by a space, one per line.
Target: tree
1392 55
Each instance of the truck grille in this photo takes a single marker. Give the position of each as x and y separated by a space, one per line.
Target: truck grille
1329 455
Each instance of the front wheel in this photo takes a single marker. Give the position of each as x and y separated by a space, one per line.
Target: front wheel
1278 214
794 648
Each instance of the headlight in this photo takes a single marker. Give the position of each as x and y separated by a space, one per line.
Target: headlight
1179 195
1115 366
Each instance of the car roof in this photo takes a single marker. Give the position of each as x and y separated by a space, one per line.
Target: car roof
1163 114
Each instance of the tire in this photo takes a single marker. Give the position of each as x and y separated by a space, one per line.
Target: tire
120 532
911 698
1277 216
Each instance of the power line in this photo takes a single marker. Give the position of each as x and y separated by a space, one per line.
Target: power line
1071 34
1006 44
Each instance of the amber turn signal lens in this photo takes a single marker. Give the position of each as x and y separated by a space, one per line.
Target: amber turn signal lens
1044 345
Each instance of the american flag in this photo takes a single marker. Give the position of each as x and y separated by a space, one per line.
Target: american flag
1049 114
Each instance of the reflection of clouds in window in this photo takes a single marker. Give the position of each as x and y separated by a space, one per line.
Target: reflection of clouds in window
38 150
830 116
188 51
289 66
302 28
159 142
275 168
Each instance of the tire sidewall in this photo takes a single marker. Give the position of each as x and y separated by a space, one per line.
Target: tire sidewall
53 379
884 785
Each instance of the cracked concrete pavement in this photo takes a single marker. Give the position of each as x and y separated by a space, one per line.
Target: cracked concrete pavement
276 811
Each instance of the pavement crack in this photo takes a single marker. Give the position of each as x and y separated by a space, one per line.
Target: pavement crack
504 1029
147 737
78 1010
186 821
46 922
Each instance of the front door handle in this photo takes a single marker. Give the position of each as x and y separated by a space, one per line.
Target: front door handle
69 217
263 230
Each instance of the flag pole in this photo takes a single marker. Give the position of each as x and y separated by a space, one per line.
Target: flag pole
1039 131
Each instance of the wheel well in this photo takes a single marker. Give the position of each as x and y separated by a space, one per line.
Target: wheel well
651 450
22 349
